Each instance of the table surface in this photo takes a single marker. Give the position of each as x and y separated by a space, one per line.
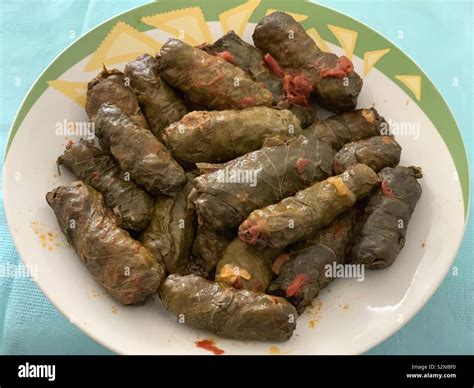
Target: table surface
436 34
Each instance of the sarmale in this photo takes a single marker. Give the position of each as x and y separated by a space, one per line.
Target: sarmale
304 272
227 312
297 217
347 127
126 270
245 56
219 136
383 227
111 87
208 248
244 267
130 203
208 80
171 231
306 67
224 198
138 152
251 60
160 104
376 152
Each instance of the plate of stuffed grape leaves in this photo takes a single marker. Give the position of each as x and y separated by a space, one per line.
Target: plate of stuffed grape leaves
236 177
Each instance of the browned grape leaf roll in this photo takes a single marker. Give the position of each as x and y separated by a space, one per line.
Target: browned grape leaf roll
297 217
251 60
208 80
376 152
208 247
302 272
127 271
236 51
130 203
383 226
225 197
347 127
306 114
160 104
139 152
244 267
307 69
219 136
112 87
227 312
171 231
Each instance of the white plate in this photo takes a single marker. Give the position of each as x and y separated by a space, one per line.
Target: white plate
349 317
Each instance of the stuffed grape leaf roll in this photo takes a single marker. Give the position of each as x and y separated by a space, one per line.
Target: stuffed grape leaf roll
112 87
303 272
244 267
171 231
382 229
227 312
160 104
297 217
138 152
241 54
236 51
225 197
208 247
130 203
219 136
208 80
306 68
127 271
376 152
347 127
306 114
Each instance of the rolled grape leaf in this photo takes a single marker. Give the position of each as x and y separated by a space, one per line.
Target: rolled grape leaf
130 203
208 80
245 56
171 231
376 152
111 87
348 127
302 272
306 68
126 270
383 226
207 249
298 217
138 152
225 197
306 114
244 267
160 104
236 51
227 312
219 136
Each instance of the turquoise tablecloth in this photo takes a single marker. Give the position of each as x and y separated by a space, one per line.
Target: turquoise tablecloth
437 35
